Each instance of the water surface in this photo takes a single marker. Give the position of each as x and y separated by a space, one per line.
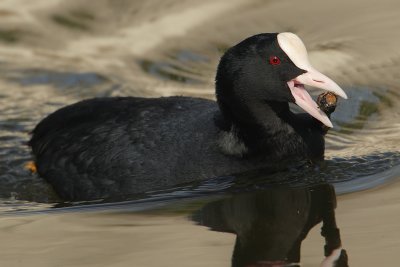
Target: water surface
53 53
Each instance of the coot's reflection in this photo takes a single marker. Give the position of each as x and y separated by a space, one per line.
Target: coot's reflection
271 224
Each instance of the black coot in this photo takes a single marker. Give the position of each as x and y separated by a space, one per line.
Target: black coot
107 147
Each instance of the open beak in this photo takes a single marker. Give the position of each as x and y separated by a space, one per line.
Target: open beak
296 51
303 99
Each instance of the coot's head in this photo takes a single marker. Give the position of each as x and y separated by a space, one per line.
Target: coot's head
269 69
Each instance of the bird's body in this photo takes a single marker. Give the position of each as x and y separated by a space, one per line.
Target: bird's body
117 146
107 147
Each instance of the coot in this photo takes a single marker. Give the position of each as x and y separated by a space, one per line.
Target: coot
109 147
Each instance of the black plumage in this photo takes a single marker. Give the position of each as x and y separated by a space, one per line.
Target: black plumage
107 147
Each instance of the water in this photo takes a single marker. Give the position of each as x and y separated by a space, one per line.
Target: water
53 53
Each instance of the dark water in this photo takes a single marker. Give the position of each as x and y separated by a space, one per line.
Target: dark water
55 54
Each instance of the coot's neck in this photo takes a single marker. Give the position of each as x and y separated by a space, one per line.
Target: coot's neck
255 120
268 127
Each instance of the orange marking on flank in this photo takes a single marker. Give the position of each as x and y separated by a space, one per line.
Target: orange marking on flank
31 166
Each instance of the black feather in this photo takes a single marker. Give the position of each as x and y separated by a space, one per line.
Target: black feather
109 147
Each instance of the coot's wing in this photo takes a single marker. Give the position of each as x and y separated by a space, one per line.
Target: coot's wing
113 146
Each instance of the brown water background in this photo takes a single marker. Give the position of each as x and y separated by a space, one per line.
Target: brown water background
55 52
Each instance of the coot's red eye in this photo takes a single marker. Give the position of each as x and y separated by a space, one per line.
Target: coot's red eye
274 60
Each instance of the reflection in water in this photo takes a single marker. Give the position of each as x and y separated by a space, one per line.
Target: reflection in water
54 53
271 224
